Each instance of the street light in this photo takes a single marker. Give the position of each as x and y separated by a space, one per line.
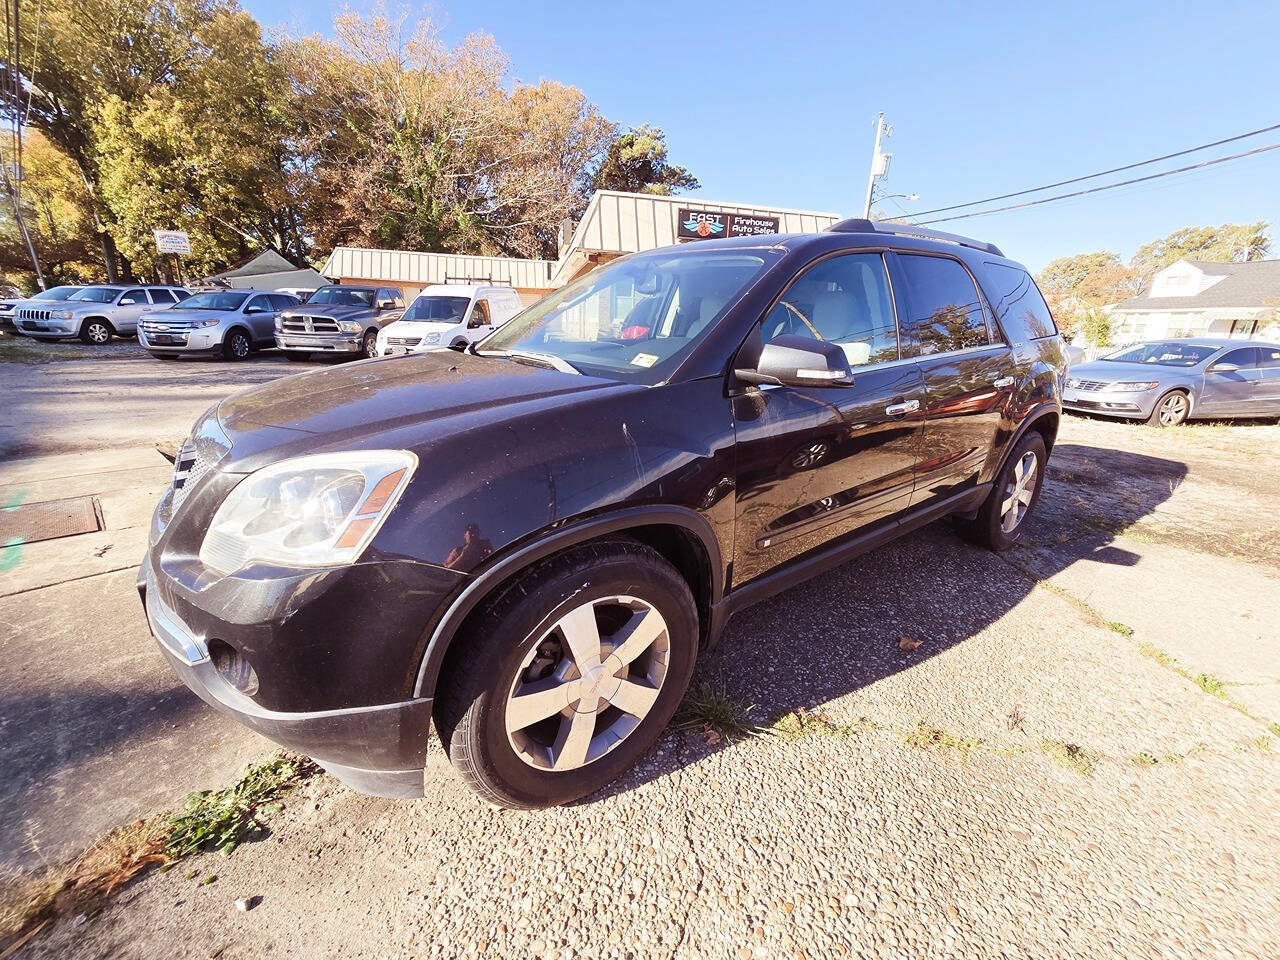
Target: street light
892 196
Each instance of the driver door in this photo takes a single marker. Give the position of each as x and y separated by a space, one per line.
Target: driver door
818 463
260 314
480 322
131 305
1231 391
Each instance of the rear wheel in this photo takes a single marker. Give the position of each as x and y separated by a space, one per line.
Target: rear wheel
1170 410
566 678
96 332
236 345
1004 514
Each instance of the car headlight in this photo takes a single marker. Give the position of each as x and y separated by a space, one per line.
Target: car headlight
350 326
61 314
431 338
1131 386
313 511
210 322
279 323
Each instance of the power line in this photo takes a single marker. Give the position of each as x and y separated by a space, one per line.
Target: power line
1108 186
1104 173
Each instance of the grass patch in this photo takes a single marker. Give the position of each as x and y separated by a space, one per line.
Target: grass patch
1069 755
926 737
1210 684
706 708
1121 628
1155 653
1145 759
213 820
808 723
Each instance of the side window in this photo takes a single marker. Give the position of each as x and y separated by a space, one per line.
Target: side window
259 303
843 300
1018 303
479 314
133 297
1244 358
161 295
179 294
943 305
281 300
1269 358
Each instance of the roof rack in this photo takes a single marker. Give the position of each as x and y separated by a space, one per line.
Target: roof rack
862 225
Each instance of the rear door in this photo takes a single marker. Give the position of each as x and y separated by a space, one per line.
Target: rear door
969 371
1268 402
818 463
1231 392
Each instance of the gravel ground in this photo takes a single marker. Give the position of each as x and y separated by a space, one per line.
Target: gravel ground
1028 782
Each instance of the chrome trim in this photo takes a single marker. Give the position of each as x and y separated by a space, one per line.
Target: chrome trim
170 631
901 409
1003 383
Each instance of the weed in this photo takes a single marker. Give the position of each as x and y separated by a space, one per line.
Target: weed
1145 759
1274 728
1121 628
221 820
706 708
1210 684
1070 755
1152 652
926 737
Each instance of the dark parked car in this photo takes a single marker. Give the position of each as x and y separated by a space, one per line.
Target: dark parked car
532 541
338 319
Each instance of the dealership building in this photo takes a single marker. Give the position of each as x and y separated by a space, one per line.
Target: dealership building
614 224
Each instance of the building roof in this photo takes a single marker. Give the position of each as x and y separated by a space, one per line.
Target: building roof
1253 284
268 261
408 266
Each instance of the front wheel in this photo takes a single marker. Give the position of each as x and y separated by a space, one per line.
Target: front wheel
1003 515
236 345
369 349
568 675
1171 410
95 332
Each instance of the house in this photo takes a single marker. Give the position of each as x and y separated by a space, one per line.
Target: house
1192 298
614 224
268 270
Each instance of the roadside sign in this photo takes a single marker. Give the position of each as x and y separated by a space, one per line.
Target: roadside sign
709 224
173 241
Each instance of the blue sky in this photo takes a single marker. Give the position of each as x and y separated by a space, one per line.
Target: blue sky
775 102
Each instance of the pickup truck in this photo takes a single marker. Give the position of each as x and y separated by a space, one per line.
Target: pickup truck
338 319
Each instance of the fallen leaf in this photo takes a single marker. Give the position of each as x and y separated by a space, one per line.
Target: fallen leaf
713 737
907 643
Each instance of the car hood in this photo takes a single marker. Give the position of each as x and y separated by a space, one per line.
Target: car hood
177 314
335 311
1110 370
414 397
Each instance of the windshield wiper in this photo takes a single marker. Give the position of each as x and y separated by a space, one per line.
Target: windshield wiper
537 359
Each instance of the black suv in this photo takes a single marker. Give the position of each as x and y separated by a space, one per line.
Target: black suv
531 542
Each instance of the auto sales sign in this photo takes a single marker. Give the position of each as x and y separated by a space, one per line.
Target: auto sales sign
709 224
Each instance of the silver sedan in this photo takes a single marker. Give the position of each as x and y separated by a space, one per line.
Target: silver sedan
1166 382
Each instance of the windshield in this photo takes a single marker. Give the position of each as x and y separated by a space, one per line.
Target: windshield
54 293
343 296
439 309
97 294
632 320
214 301
1166 353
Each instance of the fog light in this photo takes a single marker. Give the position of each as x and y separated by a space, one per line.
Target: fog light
233 668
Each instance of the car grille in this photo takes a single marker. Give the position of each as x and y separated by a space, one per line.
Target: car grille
403 341
201 452
1076 384
309 325
164 326
33 313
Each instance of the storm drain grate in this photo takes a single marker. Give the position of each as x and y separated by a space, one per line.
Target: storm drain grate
49 520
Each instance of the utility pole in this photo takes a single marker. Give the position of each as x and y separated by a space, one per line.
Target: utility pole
22 224
879 161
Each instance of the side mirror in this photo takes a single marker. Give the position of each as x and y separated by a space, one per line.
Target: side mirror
253 309
386 304
1224 367
793 361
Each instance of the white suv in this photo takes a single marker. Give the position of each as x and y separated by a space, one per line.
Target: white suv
96 313
449 315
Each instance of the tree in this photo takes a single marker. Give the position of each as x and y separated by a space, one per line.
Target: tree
1229 243
1078 286
636 162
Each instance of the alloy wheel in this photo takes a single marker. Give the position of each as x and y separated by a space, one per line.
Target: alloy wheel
1018 493
99 333
240 346
587 683
1173 410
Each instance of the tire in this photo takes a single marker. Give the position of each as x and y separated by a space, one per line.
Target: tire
518 639
295 356
369 346
236 345
995 527
96 332
165 356
1171 410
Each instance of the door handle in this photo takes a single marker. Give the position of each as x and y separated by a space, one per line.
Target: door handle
902 409
1004 383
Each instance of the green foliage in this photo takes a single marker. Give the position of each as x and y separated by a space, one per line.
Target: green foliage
221 820
636 162
717 715
1070 755
1231 242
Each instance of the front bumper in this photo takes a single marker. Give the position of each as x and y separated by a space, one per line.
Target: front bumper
343 343
182 341
50 329
1110 403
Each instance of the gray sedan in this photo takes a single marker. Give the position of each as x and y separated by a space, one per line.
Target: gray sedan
1168 381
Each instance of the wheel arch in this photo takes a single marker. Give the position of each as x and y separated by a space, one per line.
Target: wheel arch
104 318
240 327
680 535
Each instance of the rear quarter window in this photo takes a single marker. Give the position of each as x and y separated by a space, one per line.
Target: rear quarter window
1018 304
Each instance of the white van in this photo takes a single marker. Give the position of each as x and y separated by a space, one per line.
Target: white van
449 315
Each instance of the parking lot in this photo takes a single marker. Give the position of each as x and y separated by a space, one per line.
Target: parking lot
1069 750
